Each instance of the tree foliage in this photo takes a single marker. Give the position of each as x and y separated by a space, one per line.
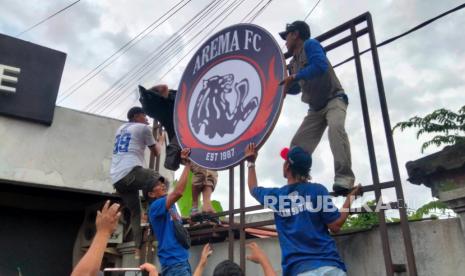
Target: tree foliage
448 126
362 221
368 220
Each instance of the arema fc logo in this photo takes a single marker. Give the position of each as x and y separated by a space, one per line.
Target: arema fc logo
229 95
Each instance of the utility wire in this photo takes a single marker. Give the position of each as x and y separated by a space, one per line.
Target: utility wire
202 40
416 28
165 52
47 18
310 12
167 58
195 47
252 10
124 48
119 50
132 73
260 11
283 47
231 10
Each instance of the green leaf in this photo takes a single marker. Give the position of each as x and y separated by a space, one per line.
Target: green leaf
217 207
449 126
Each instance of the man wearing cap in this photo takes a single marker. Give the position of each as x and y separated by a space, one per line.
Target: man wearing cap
162 213
312 73
127 172
303 213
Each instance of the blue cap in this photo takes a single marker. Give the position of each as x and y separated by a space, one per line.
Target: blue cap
298 159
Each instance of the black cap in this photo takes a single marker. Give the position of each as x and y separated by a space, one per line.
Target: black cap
153 181
301 26
135 110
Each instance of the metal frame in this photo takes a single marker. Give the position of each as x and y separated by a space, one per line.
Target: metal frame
377 186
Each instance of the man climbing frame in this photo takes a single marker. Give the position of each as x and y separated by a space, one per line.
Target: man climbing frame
312 73
127 172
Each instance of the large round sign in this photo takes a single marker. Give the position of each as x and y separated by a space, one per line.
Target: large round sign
229 95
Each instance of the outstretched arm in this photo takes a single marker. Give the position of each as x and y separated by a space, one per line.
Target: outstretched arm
206 252
106 223
259 257
251 155
337 224
181 186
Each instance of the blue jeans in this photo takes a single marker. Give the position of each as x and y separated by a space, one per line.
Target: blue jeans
324 271
179 269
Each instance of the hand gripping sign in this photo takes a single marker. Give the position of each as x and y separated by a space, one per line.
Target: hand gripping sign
229 95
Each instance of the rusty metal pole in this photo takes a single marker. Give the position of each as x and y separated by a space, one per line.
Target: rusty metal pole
242 216
411 264
231 216
372 155
154 164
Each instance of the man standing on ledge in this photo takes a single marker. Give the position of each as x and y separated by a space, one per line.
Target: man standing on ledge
303 213
312 73
127 172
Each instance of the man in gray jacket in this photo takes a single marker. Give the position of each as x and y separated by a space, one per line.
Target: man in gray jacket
312 74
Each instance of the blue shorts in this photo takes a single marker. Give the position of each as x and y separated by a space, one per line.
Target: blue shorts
179 269
324 271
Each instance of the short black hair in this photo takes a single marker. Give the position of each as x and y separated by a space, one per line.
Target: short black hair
228 268
134 111
299 172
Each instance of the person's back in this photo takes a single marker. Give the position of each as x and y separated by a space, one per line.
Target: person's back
302 225
127 166
131 140
303 214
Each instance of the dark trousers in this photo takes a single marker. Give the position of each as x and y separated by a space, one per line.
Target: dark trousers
128 188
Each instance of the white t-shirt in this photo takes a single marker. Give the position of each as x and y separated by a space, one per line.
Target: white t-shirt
131 139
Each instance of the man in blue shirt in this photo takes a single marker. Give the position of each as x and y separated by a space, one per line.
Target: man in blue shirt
162 211
312 73
303 214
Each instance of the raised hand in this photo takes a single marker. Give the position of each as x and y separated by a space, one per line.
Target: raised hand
251 152
107 219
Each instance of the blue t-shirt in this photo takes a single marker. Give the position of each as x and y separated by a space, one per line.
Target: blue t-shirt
301 222
169 250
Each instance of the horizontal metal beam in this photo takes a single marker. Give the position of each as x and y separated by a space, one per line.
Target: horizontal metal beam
345 40
342 28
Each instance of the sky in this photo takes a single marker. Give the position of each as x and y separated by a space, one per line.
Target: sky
421 72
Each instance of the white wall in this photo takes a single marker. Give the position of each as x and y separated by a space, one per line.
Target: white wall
75 152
